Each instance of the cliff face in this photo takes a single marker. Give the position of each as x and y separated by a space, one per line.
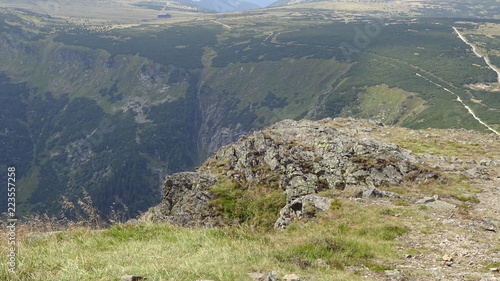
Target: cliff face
339 157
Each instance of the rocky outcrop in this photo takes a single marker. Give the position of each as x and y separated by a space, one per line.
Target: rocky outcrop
185 201
302 159
307 157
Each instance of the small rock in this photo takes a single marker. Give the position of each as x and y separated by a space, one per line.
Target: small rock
394 272
478 172
495 269
291 277
133 278
305 205
426 200
372 192
397 275
485 162
261 276
323 263
441 205
447 258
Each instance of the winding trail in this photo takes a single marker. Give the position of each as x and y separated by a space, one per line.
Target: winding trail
460 100
474 49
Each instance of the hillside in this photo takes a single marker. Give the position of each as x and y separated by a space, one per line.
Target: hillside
335 199
487 9
112 109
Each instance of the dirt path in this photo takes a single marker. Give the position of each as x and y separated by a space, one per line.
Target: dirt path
223 24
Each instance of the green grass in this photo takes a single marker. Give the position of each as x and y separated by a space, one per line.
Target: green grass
352 234
256 206
465 145
493 265
440 147
390 105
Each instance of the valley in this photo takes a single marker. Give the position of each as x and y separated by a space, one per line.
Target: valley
111 106
216 140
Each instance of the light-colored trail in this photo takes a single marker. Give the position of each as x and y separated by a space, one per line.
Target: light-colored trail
471 112
474 49
271 34
223 24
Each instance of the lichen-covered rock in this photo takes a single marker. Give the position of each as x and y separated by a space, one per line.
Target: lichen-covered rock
305 206
185 201
307 157
300 158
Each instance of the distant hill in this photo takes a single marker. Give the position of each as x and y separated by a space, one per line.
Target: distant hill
441 8
224 5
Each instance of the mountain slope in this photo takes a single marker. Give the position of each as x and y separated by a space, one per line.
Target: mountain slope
433 213
114 110
448 9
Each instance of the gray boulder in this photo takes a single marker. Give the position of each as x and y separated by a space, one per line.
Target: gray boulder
303 207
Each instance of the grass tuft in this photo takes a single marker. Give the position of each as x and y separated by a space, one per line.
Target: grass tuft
257 206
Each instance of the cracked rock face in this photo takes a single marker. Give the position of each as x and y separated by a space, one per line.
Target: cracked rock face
299 157
185 200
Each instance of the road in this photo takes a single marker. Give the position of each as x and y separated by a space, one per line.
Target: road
460 100
474 49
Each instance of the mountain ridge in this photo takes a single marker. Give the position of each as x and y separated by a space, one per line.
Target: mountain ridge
293 160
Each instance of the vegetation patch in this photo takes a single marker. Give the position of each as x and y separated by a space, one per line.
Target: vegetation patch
389 105
351 234
256 206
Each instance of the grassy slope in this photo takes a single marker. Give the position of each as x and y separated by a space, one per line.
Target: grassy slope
162 252
289 80
52 71
352 238
390 105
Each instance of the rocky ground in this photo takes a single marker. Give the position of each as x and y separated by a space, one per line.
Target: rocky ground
449 244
